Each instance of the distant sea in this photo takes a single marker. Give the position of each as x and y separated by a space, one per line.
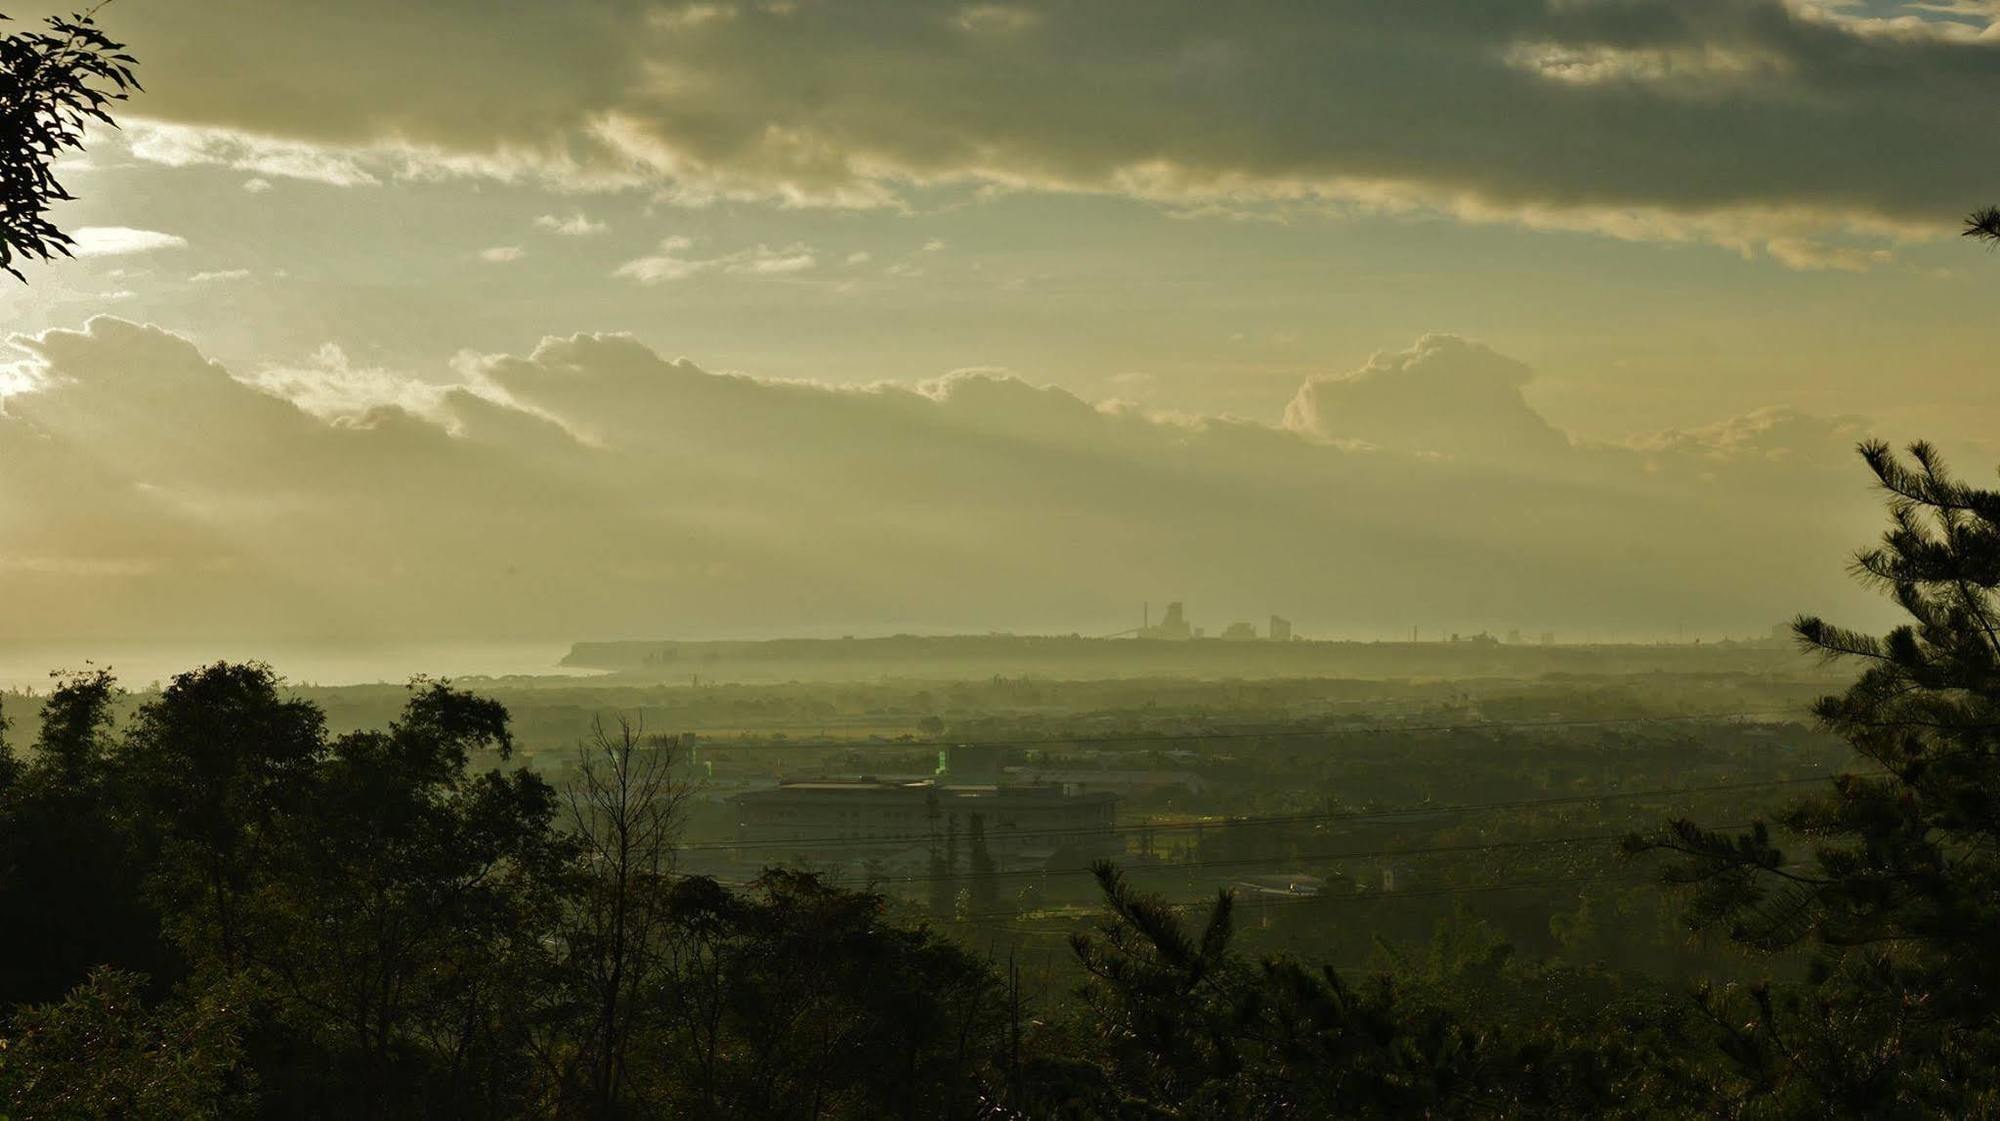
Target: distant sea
138 666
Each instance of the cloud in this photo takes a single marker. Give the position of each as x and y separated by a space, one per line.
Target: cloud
763 261
577 224
1444 397
329 385
671 262
152 492
257 186
111 241
218 275
997 19
500 254
189 146
1810 256
689 16
1775 127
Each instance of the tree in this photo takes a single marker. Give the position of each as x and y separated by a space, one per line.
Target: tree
799 1000
10 766
1179 1024
625 808
71 883
101 1055
398 922
1186 1027
53 84
1984 224
1898 899
209 769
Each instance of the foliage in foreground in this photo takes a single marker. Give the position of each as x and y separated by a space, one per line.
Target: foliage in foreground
54 83
1897 898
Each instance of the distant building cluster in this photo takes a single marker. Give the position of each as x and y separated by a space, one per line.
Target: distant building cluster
1174 627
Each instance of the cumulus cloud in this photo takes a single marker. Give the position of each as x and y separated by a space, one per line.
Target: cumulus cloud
215 275
111 241
1776 127
500 254
152 491
1444 397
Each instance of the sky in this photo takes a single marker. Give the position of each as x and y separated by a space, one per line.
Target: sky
534 320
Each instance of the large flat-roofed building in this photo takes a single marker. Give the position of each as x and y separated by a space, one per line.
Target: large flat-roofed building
1023 825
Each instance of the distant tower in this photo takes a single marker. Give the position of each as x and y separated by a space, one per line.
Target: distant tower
1173 625
1281 629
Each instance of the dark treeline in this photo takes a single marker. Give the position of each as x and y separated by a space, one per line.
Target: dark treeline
216 907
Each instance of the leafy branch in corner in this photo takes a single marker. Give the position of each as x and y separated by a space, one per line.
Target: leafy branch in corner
54 84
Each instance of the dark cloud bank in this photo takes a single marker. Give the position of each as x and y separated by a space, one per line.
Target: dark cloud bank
1785 126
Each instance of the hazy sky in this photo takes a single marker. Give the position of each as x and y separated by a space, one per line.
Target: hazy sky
1459 312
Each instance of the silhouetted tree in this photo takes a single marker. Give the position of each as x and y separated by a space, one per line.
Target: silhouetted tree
71 882
400 922
799 1000
53 84
10 764
624 806
1984 224
209 768
1180 1025
1188 1028
1898 897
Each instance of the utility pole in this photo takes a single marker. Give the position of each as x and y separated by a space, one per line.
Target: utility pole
1014 1029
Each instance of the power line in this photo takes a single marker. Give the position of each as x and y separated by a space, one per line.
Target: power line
1372 897
1235 733
1250 862
845 841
